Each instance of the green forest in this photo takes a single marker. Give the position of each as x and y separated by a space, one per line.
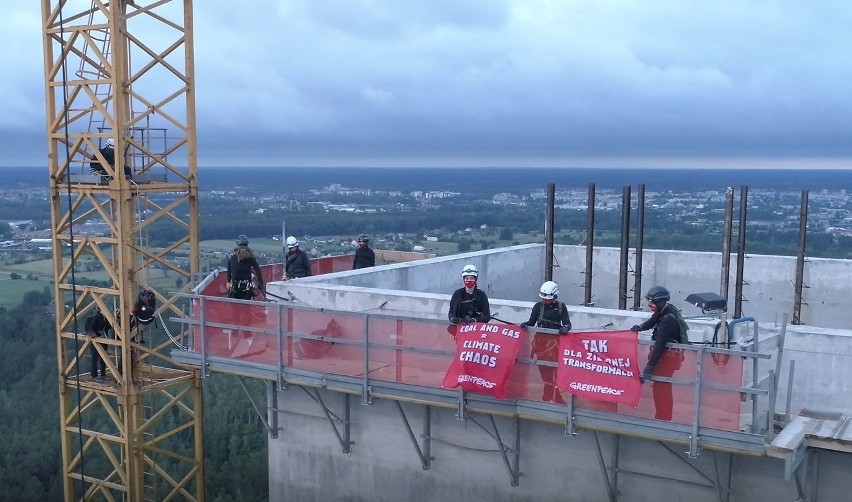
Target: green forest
30 455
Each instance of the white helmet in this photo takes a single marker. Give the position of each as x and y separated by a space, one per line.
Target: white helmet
292 242
110 143
548 290
470 270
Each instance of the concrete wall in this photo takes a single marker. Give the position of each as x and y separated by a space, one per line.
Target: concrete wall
823 357
768 290
516 273
823 369
510 273
306 462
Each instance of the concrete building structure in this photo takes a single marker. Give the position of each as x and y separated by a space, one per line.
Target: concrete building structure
406 438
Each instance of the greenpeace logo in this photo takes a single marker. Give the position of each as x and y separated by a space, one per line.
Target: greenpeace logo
597 389
476 381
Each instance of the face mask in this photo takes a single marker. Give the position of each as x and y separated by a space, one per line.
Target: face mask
469 284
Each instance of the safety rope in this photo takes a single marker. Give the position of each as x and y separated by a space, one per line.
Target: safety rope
72 241
174 340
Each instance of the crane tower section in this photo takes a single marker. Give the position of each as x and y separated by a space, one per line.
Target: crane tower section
120 109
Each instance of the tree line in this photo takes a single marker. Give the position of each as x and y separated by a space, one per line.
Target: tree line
235 452
449 222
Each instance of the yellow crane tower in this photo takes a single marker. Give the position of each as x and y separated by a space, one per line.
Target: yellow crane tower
124 220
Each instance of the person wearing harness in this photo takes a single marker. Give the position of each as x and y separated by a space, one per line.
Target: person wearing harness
108 153
241 264
97 326
469 303
550 314
364 256
297 263
664 321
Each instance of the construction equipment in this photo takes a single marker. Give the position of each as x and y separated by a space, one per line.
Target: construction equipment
123 71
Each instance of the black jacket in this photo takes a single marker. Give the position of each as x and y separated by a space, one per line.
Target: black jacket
364 258
298 264
108 154
473 305
666 329
96 324
554 316
241 263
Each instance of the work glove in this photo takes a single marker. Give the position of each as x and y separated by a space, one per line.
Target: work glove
468 320
563 330
454 320
646 373
636 328
524 326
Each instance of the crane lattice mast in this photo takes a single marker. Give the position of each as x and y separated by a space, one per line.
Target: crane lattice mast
122 72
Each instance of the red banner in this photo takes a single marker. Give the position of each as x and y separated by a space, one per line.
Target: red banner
485 355
600 365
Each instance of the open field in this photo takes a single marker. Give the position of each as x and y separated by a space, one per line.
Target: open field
215 254
13 291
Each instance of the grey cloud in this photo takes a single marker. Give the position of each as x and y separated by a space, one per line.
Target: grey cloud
300 81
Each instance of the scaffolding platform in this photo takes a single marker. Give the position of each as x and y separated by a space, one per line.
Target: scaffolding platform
809 430
719 402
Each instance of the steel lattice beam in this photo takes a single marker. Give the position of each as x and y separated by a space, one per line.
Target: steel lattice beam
123 71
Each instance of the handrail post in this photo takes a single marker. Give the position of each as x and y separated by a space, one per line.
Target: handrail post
699 381
365 381
280 376
204 370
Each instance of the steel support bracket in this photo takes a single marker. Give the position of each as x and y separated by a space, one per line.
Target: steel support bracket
271 429
795 460
513 467
344 432
461 403
424 453
694 449
570 429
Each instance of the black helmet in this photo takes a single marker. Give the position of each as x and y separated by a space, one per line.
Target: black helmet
658 294
363 238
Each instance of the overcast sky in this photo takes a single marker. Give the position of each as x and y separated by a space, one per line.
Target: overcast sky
656 83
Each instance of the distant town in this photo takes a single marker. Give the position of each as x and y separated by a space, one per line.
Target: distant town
467 216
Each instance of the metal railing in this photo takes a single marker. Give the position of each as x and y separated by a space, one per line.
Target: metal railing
709 387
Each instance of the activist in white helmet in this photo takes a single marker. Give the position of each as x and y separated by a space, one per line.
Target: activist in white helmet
550 314
297 262
548 290
469 303
469 271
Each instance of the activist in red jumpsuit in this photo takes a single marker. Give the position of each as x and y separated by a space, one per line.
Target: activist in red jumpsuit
469 304
551 314
661 360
